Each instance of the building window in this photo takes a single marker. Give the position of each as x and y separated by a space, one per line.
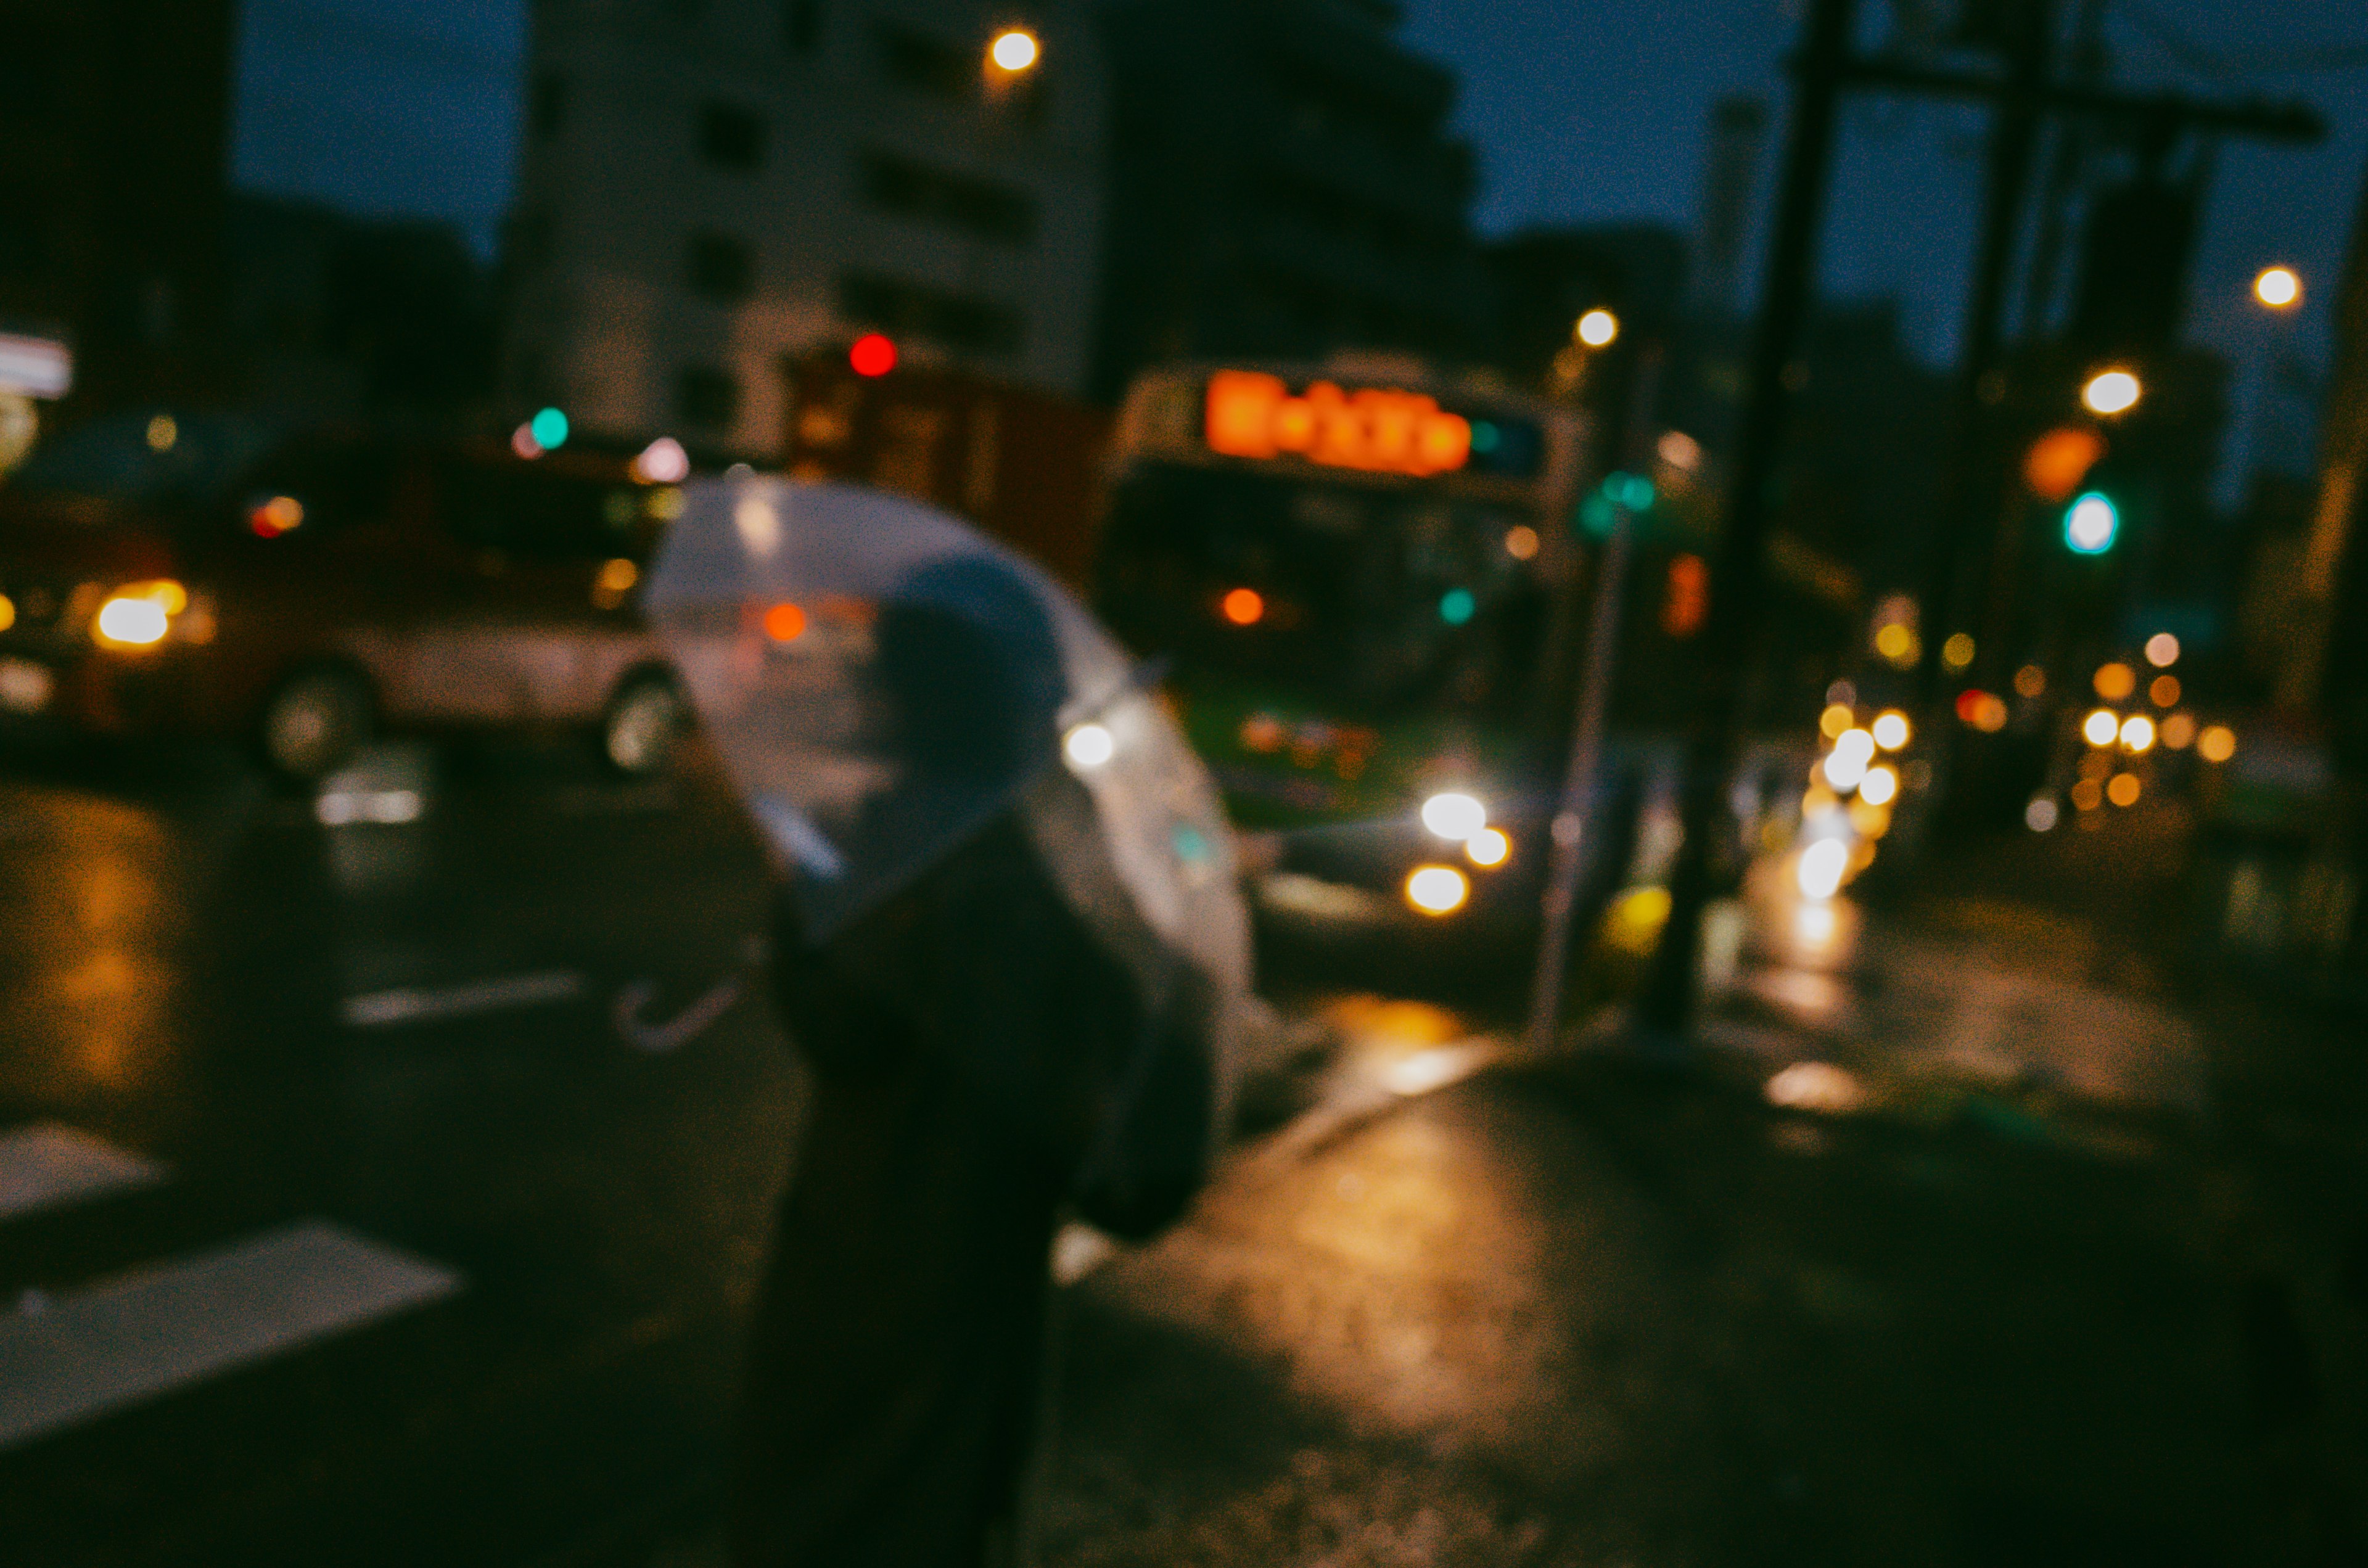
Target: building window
548 107
926 64
708 397
980 207
721 267
802 25
730 138
958 320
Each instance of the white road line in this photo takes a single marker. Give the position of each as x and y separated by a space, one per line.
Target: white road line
156 1329
377 1008
48 1166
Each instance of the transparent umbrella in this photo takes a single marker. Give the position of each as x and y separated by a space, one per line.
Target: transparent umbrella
879 680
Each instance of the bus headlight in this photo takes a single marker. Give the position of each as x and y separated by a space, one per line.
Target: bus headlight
138 615
1437 889
1455 816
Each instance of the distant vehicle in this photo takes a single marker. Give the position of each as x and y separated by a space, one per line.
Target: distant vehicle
1025 466
1356 579
220 575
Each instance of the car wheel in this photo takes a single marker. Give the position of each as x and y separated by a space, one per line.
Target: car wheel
638 736
315 723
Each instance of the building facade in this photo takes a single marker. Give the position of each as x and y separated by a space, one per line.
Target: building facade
1282 185
115 116
712 188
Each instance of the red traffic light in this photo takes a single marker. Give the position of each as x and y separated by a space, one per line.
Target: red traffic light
873 353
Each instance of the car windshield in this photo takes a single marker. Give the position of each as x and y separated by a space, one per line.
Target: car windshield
147 458
1397 598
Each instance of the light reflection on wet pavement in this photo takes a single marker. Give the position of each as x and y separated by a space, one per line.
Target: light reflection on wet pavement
1939 1253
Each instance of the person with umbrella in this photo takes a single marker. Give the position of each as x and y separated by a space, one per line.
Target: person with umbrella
1008 948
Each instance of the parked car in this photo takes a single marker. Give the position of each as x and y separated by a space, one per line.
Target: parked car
223 575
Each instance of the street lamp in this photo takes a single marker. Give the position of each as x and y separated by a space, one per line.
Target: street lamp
1597 329
2111 391
1014 50
2280 288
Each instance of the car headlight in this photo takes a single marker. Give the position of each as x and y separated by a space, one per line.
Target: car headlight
1455 816
138 615
1437 889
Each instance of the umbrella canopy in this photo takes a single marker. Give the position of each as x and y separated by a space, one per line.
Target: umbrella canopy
881 680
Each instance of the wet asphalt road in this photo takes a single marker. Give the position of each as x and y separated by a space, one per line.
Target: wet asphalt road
512 1043
2020 1297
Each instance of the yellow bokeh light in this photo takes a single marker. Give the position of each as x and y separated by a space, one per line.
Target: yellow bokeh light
1957 652
7 612
2113 391
1880 787
1891 731
1014 50
2178 732
1835 720
1521 542
2280 288
1898 644
1869 819
2125 790
1597 329
2101 727
2115 682
1489 847
164 433
2137 734
2216 744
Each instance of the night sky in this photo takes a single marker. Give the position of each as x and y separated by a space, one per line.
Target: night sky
1583 110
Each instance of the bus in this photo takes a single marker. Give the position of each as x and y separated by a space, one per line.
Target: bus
1359 585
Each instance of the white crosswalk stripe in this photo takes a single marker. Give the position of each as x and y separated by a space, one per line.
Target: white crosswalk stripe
49 1166
115 1343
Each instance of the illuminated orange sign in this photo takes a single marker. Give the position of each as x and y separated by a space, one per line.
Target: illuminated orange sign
1252 414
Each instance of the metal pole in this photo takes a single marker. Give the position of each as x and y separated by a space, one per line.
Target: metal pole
1738 581
1578 786
2014 145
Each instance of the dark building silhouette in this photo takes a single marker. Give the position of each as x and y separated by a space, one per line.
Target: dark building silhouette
115 118
1282 184
354 317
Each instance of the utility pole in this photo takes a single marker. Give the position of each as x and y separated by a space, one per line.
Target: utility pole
2014 145
1739 583
1824 70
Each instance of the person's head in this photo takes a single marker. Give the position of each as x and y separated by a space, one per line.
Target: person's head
970 672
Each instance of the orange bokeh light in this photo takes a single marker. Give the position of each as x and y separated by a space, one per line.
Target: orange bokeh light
785 623
2059 460
1243 607
1252 414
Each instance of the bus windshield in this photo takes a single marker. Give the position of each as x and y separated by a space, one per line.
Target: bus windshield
1381 599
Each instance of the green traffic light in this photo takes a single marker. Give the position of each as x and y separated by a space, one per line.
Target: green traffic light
2092 524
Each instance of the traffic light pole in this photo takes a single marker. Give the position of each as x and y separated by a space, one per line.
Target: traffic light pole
1739 583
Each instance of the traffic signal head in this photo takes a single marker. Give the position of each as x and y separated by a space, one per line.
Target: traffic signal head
2092 523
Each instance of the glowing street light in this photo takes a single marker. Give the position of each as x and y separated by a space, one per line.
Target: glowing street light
2280 288
1597 329
2111 391
1014 50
